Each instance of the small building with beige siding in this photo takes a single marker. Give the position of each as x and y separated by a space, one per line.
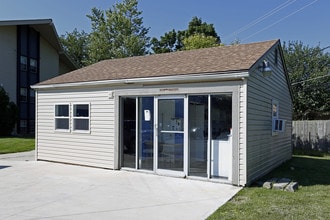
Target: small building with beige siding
218 114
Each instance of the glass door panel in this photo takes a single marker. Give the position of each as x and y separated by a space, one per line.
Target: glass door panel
221 143
198 135
129 132
170 134
146 133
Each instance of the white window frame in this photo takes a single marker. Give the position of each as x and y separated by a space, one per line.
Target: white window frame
62 117
81 117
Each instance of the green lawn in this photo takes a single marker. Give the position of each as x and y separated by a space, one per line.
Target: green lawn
311 201
15 144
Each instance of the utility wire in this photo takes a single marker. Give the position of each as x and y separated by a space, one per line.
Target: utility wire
310 79
260 19
269 26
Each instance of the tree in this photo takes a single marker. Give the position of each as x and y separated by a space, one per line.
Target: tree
198 34
197 41
167 43
117 32
75 44
197 26
309 74
9 113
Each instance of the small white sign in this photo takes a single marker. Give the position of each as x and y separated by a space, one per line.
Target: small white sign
147 115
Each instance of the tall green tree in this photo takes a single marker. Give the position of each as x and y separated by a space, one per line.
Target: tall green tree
117 32
75 44
309 73
198 34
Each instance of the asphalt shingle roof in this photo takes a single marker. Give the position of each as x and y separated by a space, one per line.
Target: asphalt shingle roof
222 59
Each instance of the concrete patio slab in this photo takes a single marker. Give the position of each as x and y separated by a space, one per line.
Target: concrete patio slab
44 190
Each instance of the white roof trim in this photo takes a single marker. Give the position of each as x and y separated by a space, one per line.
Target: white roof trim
147 80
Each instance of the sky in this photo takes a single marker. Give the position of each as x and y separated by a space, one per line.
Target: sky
248 21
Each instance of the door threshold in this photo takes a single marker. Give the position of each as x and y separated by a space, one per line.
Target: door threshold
171 173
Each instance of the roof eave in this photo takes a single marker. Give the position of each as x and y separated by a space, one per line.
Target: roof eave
202 77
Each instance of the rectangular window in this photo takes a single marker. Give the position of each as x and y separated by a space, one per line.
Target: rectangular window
62 117
81 117
23 126
23 94
33 65
23 61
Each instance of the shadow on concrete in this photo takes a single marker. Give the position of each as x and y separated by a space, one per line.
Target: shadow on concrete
3 167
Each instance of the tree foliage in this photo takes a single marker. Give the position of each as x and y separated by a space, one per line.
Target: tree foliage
198 34
197 41
115 33
309 73
75 44
9 113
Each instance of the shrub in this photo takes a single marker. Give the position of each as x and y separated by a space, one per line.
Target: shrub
8 113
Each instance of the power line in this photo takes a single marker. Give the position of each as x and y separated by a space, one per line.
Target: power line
309 79
269 26
260 19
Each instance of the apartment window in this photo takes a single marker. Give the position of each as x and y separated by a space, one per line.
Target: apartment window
33 65
23 94
62 117
23 126
81 117
32 95
23 61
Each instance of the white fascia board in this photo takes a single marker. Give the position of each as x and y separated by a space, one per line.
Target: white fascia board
148 80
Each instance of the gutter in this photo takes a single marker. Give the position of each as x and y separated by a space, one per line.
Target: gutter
205 77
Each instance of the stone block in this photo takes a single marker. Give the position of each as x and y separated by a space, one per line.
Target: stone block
281 184
292 187
269 183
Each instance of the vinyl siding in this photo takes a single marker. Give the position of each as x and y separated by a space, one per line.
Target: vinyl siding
91 149
266 151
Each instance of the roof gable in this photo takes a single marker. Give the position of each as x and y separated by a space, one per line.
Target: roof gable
222 59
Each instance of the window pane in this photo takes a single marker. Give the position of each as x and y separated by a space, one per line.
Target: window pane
23 94
62 110
198 135
81 124
146 133
221 143
62 123
81 110
23 63
33 65
129 132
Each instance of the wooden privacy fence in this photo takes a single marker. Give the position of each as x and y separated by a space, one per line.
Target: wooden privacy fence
311 135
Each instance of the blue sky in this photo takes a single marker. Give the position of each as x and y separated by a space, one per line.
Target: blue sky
247 20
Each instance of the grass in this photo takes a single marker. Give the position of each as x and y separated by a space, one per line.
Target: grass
16 144
311 201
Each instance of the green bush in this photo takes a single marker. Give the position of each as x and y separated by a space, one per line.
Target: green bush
8 113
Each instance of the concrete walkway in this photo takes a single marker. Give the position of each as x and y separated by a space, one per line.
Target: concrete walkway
43 190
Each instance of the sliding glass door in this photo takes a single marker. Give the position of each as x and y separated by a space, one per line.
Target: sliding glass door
186 135
170 134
